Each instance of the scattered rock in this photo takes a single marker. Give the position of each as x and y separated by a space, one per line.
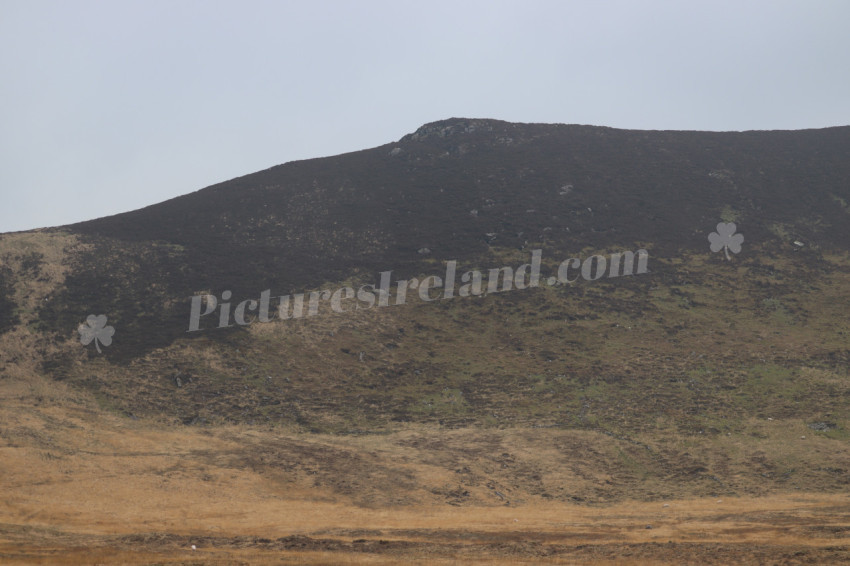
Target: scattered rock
442 130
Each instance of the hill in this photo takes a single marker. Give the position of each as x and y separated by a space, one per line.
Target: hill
644 362
484 194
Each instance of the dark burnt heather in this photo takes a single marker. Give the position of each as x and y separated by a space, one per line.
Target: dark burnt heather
377 207
459 187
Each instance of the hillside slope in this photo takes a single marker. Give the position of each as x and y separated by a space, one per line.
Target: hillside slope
697 341
641 348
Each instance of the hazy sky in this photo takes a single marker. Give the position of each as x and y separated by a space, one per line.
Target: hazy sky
113 105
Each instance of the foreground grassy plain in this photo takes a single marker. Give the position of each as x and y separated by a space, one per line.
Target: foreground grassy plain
81 486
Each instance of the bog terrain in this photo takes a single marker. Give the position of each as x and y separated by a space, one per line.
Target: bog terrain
697 412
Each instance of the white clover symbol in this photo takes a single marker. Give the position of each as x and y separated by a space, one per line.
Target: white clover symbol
95 329
726 238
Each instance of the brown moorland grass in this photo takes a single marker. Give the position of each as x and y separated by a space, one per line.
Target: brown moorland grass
699 426
85 487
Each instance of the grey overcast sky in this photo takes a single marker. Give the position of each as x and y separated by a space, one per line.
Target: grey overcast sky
112 105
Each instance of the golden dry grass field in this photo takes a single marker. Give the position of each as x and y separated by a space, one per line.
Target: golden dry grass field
80 486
